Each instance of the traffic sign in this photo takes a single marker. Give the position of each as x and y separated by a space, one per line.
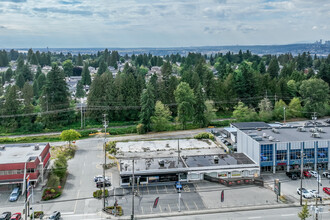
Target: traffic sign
179 186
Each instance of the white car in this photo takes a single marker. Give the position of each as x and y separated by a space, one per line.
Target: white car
313 173
99 178
326 174
305 193
314 193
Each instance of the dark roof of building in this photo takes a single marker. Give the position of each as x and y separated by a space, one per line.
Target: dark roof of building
250 125
217 160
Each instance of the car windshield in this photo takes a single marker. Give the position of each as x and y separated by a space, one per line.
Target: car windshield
305 191
14 194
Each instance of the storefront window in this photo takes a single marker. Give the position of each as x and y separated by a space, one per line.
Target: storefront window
295 154
266 152
281 155
309 153
322 153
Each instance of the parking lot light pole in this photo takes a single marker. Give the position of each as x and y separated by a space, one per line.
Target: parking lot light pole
301 173
133 180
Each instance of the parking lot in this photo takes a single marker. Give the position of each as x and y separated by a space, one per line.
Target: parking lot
289 187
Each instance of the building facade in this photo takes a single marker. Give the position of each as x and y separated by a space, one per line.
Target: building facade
282 149
18 161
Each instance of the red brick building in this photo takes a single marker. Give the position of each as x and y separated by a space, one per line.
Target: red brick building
23 159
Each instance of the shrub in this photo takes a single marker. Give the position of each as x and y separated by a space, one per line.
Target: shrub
111 147
50 193
53 180
140 129
98 193
36 214
118 209
204 135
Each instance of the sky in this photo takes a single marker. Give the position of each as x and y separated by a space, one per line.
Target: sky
161 23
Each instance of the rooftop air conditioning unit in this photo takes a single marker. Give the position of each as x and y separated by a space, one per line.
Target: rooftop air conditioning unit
264 135
275 131
313 130
320 130
216 159
315 135
271 138
301 129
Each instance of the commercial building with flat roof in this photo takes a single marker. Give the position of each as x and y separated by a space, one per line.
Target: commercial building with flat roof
187 168
280 149
19 160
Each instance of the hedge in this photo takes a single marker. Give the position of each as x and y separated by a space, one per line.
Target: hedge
98 194
204 135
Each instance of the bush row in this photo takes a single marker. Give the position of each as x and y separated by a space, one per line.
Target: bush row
204 135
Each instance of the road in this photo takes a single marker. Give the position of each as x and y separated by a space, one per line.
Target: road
269 214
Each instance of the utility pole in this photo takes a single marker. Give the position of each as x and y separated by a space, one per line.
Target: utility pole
105 157
301 172
275 98
318 193
133 181
81 112
284 114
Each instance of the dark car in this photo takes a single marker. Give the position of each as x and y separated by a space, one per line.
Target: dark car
55 216
100 184
16 216
293 175
5 216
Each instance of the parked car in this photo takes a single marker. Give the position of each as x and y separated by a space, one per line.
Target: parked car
55 216
327 121
326 190
304 192
293 175
5 216
100 184
313 173
14 194
16 216
100 178
314 193
326 174
307 174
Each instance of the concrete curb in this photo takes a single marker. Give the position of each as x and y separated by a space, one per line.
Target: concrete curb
208 211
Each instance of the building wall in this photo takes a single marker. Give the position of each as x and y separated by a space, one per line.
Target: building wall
285 154
247 145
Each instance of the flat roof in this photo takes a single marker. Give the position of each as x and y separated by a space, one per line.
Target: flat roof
230 129
224 159
250 125
142 164
285 134
20 153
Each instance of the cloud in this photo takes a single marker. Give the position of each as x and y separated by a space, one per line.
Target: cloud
2 27
246 28
63 11
14 1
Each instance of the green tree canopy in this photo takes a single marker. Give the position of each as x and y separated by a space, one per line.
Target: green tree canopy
70 135
147 106
68 68
185 99
244 113
161 118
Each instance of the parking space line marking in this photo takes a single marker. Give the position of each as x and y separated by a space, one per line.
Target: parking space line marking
157 190
287 215
195 205
142 209
148 190
160 208
75 205
166 189
185 204
254 217
169 207
150 209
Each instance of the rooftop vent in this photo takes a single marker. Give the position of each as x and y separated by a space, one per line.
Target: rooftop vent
36 147
161 163
2 147
271 138
315 135
301 129
216 159
275 131
264 135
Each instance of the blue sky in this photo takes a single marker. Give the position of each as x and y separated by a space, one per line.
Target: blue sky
161 23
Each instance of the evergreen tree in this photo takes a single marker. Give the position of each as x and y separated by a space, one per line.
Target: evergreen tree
200 107
79 60
85 75
273 68
8 74
80 93
34 59
161 118
41 82
27 93
55 97
147 107
68 68
185 99
304 214
20 81
26 72
102 67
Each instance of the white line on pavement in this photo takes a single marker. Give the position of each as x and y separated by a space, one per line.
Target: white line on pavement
169 207
75 205
254 217
288 215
